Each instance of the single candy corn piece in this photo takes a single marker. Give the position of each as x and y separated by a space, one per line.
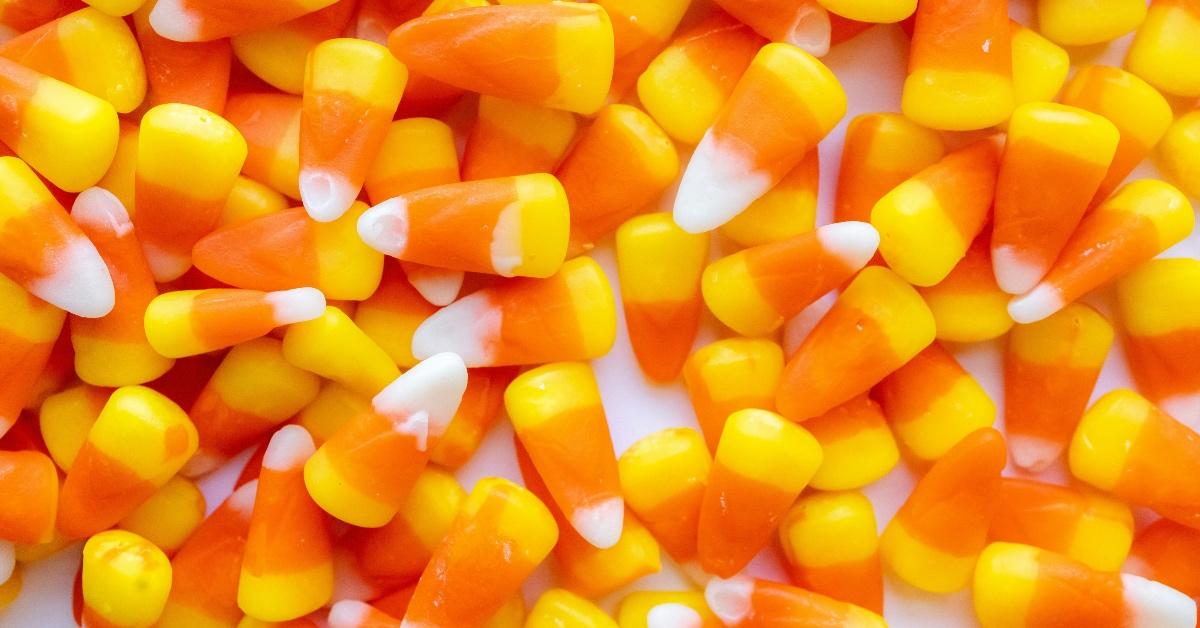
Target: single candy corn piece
1140 221
933 541
1083 23
46 253
785 211
857 443
686 85
1050 369
832 548
559 608
28 497
1159 316
801 23
744 602
877 324
1054 160
620 165
438 286
1025 587
193 20
881 151
391 315
248 199
66 49
364 472
253 390
332 408
659 266
556 412
287 571
967 305
416 153
511 138
1179 153
188 159
569 316
169 516
755 290
1164 50
554 39
356 614
513 226
1139 112
126 580
287 249
1166 552
139 441
959 66
872 11
113 350
65 419
425 95
665 609
399 550
479 410
206 568
932 403
191 322
358 364
1128 447
351 90
500 536
29 328
730 375
762 463
927 223
1086 526
640 31
193 73
270 123
1039 66
783 105
663 476
276 54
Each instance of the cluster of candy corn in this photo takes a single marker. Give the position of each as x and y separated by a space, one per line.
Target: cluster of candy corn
199 200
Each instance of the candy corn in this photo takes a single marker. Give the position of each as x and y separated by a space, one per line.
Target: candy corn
1081 23
511 138
1163 51
270 124
126 580
662 478
743 602
28 497
881 151
857 444
65 419
640 31
832 548
28 332
277 54
479 410
730 375
802 23
360 365
193 73
785 211
190 322
169 516
1179 153
1165 552
416 153
190 20
665 609
967 305
1039 67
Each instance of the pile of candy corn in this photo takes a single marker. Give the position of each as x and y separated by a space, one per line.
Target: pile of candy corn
199 200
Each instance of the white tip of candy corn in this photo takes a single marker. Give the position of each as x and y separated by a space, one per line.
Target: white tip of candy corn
729 599
1035 305
326 195
600 524
812 31
1032 453
673 616
296 305
852 242
79 283
433 388
469 327
165 265
289 448
384 227
1014 273
716 186
1152 604
439 286
101 209
8 560
173 20
348 614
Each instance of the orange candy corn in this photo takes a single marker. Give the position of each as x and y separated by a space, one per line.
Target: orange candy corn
619 166
967 305
881 151
355 614
363 473
762 463
514 226
113 350
287 249
801 23
270 123
857 443
569 316
43 251
743 602
29 328
1166 552
565 60
277 54
511 138
1050 369
287 571
832 548
556 412
934 539
1127 446
640 31
1141 220
1055 158
344 120
785 211
877 324
1088 527
660 266
754 291
416 153
783 105
19 16
663 477
205 570
193 73
730 375
392 314
501 535
194 20
479 410
960 65
28 497
191 322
